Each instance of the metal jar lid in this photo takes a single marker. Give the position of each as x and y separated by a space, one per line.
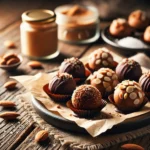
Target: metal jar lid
39 15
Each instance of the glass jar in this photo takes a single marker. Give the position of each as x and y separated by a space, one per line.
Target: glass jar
80 28
39 34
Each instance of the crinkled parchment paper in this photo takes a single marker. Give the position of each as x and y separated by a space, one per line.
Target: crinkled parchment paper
96 126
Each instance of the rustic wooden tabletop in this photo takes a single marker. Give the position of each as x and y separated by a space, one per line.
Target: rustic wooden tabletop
20 134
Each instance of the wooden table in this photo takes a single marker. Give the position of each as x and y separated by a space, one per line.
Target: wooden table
20 134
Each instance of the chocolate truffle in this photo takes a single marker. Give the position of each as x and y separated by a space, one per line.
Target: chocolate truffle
128 69
100 58
128 96
74 67
138 20
120 28
62 83
145 83
146 35
104 80
86 97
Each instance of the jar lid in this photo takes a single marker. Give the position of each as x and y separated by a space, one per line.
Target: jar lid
39 15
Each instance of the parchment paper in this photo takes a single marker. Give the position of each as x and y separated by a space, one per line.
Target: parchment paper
95 126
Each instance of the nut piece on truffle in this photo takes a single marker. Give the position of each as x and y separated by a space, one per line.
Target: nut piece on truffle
145 83
100 58
62 83
146 36
129 69
105 80
120 28
128 96
138 20
74 67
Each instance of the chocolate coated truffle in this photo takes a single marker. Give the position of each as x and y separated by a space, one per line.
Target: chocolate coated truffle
145 83
146 36
74 67
120 28
104 80
128 69
138 20
100 58
62 83
128 96
86 97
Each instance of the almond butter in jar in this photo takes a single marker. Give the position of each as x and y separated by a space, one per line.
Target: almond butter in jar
39 34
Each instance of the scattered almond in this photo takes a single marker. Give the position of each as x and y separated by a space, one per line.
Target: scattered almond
41 136
10 85
35 64
9 115
130 146
9 44
12 61
7 103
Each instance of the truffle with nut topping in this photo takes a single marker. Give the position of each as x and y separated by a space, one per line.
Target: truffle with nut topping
104 80
144 82
100 58
146 35
129 69
120 28
138 20
62 83
73 66
128 96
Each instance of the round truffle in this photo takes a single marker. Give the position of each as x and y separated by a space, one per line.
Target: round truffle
146 35
100 58
86 97
105 80
138 20
145 83
120 28
62 83
73 66
128 69
128 96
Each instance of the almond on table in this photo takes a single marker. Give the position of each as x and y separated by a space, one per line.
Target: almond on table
9 115
130 146
35 64
10 85
9 44
41 136
5 103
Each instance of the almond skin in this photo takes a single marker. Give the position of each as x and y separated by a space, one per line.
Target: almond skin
8 56
12 61
9 115
7 103
130 146
2 61
41 136
35 64
10 85
9 44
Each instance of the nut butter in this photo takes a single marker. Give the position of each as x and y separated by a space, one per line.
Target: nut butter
39 34
77 24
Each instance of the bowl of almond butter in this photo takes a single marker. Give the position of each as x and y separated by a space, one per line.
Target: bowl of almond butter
10 61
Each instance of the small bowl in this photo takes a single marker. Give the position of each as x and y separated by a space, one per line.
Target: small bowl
12 67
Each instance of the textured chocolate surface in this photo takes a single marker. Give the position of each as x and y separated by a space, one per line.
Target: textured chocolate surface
86 97
62 83
73 66
129 69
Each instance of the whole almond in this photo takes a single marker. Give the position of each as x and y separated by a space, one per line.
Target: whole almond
7 103
12 61
9 44
10 85
41 136
130 146
35 64
8 56
9 115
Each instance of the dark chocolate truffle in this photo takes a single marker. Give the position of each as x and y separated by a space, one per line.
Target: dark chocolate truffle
128 69
120 28
62 83
104 80
146 36
100 58
138 20
86 97
145 83
74 67
128 96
